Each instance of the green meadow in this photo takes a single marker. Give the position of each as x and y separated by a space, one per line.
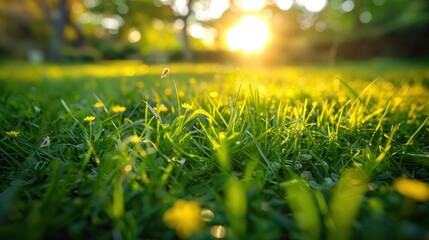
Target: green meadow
124 150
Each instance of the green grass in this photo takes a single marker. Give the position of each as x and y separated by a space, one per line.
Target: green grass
267 153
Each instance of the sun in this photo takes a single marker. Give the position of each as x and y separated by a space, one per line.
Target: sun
251 35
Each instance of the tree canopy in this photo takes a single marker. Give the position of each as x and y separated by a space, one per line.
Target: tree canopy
162 29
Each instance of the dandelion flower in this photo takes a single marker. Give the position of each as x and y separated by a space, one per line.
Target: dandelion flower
99 105
118 109
134 139
411 188
139 85
184 217
165 72
128 168
13 133
187 106
167 91
213 94
160 108
181 94
192 81
89 119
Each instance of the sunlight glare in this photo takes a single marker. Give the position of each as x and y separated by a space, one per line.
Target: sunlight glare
197 31
251 34
251 5
313 5
218 7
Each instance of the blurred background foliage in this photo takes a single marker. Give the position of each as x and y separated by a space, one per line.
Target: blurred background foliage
195 30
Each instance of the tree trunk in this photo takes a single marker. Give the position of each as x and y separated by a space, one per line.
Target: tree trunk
334 50
56 17
188 54
187 49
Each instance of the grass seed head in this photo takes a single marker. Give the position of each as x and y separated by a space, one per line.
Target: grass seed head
46 142
165 72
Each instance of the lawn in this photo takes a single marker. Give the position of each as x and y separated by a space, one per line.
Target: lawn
123 150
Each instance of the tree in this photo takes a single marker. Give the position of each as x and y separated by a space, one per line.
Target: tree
183 10
57 15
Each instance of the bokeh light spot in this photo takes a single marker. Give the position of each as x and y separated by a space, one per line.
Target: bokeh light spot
134 36
218 231
207 215
313 5
365 17
284 4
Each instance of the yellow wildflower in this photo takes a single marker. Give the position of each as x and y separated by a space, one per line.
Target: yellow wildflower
118 109
184 217
411 188
160 108
193 81
13 133
99 105
128 168
181 94
167 91
134 139
89 119
139 85
187 106
213 94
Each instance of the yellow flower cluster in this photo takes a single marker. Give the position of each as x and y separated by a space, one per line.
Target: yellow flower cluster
184 217
412 188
